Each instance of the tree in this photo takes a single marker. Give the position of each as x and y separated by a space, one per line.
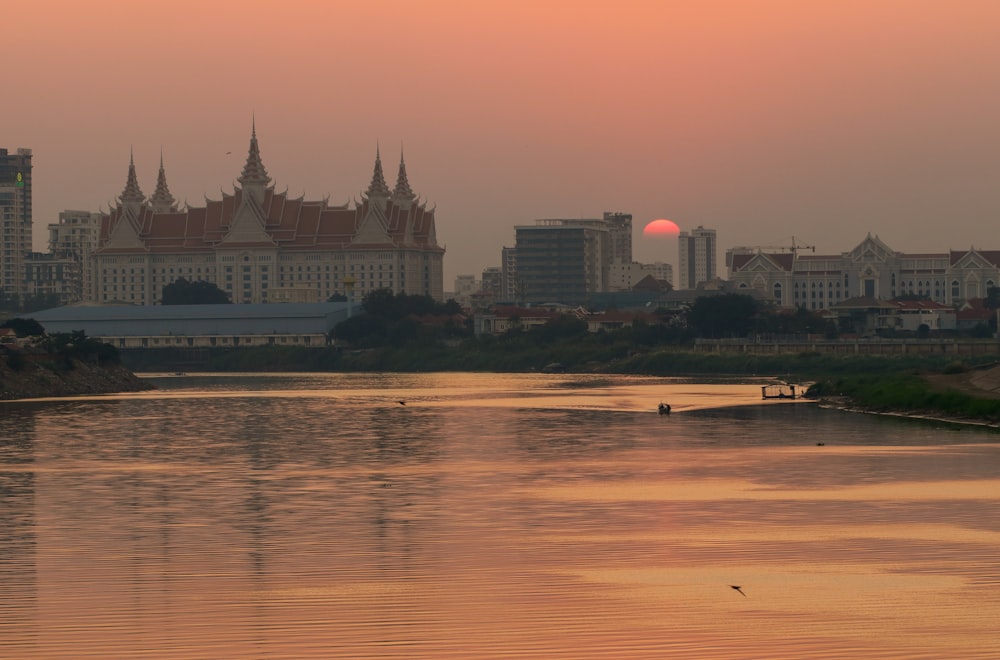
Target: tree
24 327
363 330
727 315
200 292
394 318
564 326
992 300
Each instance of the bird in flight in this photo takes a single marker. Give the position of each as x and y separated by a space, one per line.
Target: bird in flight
402 403
737 588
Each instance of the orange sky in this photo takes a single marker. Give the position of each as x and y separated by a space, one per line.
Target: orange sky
761 119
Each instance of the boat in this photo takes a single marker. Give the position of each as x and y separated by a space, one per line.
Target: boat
778 391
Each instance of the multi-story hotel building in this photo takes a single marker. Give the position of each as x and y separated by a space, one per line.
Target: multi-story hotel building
73 240
15 219
510 290
696 257
259 245
871 270
562 260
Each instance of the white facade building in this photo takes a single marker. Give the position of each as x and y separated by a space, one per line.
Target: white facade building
696 257
871 270
257 239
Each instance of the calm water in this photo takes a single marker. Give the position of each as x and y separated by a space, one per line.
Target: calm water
490 516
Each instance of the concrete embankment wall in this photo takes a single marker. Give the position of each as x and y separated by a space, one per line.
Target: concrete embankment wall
956 347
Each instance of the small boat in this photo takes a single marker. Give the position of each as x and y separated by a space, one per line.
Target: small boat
664 408
781 391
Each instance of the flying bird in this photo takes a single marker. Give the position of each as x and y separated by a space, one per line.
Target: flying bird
737 588
402 403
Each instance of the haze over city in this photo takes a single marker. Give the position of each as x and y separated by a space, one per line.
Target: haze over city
763 120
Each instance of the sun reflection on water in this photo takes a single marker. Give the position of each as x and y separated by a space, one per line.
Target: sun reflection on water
314 516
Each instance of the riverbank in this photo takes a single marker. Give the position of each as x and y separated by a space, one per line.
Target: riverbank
967 397
30 376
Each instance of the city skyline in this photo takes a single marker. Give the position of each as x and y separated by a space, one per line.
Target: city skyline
765 120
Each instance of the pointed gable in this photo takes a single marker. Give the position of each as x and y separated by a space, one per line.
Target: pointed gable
123 232
374 226
763 262
973 258
871 249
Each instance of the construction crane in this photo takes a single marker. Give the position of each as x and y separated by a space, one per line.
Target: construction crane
758 249
793 248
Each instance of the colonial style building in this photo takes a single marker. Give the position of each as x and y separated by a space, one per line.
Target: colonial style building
871 270
259 245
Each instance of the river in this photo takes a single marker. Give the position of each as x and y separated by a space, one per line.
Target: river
490 516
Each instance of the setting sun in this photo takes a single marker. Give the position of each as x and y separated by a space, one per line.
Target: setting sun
661 227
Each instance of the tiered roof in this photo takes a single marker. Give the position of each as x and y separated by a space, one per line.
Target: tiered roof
287 223
162 200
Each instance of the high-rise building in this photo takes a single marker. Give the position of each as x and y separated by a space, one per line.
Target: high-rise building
509 288
696 257
260 245
75 237
491 280
560 260
465 286
15 219
620 234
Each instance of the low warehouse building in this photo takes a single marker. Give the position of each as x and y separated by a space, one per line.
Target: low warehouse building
200 326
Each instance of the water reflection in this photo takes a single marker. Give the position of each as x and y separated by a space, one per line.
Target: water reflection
18 542
492 516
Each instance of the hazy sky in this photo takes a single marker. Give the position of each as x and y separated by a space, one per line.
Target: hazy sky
822 120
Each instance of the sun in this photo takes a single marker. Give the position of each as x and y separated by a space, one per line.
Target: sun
661 227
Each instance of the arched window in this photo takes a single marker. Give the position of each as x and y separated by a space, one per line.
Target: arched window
777 291
955 290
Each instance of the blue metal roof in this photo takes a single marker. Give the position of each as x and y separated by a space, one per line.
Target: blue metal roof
196 320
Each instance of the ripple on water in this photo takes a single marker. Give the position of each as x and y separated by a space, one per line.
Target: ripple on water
312 516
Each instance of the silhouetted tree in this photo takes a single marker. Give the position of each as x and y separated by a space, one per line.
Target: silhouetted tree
394 318
24 327
727 315
200 292
563 326
992 299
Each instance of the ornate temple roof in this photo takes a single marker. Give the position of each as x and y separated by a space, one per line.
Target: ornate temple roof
253 171
402 191
132 193
378 186
162 200
287 223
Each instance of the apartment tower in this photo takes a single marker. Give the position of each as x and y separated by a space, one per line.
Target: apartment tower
696 256
15 218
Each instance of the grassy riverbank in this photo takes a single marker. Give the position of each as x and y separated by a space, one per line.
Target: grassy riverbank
912 393
569 357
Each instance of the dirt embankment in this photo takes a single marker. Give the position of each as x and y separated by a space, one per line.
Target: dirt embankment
30 377
980 383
